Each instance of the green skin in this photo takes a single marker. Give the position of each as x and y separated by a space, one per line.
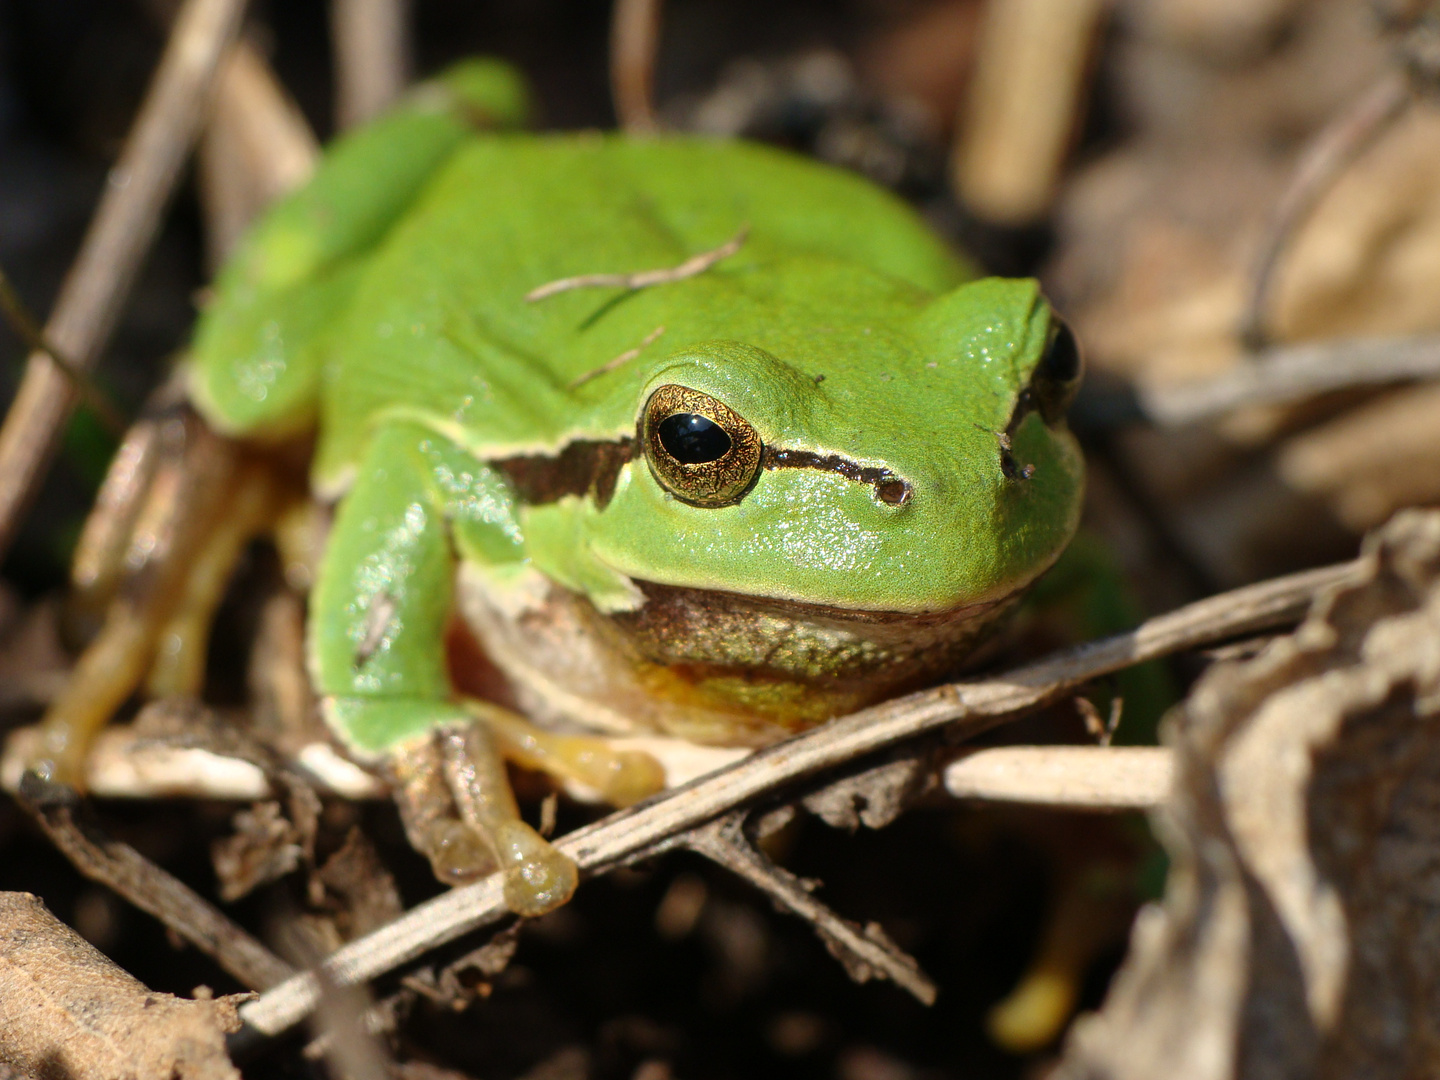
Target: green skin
386 303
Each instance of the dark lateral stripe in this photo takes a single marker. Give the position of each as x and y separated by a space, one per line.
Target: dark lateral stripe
889 488
581 468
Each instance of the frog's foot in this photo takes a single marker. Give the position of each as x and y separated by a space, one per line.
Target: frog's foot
459 811
457 853
620 777
1084 921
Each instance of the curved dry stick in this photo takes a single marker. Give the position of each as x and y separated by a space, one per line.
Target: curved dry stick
965 708
120 234
634 43
1337 145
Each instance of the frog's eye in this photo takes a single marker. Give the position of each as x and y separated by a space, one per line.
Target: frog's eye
702 451
1057 376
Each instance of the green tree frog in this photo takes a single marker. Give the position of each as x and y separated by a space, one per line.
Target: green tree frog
698 437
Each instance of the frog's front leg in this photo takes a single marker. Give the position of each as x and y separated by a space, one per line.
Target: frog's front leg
377 624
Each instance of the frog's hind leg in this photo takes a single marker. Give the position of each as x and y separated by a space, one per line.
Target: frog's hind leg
178 669
175 512
619 777
136 563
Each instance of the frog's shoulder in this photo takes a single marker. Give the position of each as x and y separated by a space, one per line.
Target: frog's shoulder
440 327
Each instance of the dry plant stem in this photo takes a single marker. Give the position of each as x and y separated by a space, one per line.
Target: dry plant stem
864 952
1021 110
257 146
1336 146
151 889
1065 777
1288 373
966 708
634 44
643 279
120 233
372 57
28 330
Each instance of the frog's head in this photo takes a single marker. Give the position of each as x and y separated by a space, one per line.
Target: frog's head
915 469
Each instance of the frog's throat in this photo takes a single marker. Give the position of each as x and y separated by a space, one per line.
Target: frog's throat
714 667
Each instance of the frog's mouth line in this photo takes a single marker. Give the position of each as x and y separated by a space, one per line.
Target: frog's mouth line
756 642
591 468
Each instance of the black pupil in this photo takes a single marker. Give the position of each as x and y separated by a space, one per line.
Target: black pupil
693 440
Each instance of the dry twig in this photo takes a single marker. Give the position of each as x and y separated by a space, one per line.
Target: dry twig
1026 95
151 889
257 146
1290 373
634 43
964 708
120 234
865 953
619 361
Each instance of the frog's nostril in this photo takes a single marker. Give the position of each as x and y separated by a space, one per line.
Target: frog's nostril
893 491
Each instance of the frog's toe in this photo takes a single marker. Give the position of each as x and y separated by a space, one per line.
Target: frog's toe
537 877
457 853
1035 1012
620 777
632 775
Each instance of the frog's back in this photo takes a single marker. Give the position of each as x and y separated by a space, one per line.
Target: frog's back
397 279
440 324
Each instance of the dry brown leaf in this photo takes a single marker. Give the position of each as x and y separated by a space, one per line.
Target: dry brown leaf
66 1010
1299 934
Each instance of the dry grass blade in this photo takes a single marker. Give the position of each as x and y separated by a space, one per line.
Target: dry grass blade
967 708
120 234
150 888
24 325
372 57
634 43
